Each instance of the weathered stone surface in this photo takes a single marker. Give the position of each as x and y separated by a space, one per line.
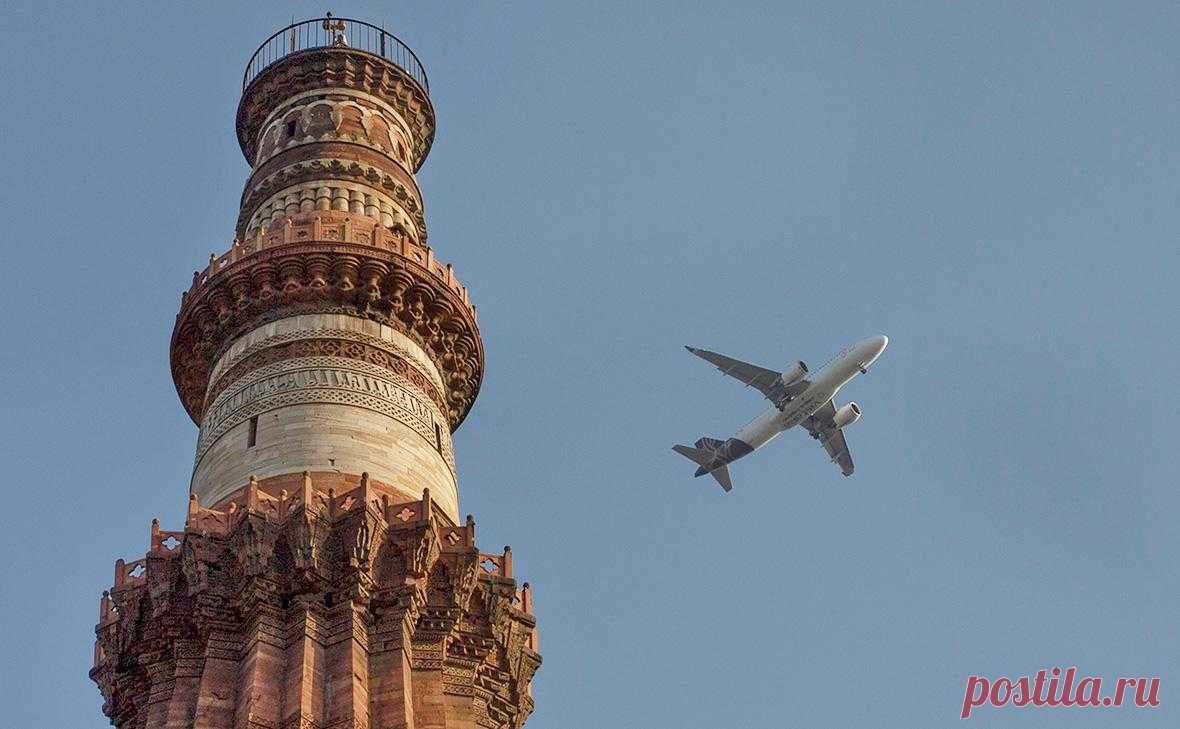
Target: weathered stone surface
316 607
327 344
328 263
326 392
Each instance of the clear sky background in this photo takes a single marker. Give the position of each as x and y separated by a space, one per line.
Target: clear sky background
993 185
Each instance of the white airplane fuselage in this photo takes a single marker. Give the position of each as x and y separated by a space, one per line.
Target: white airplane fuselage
825 383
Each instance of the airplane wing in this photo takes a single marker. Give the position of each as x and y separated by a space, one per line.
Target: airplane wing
832 438
768 382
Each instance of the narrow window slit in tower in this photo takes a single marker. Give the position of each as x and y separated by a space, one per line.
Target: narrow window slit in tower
252 438
291 128
438 437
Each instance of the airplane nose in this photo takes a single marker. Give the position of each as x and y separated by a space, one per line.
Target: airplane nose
874 346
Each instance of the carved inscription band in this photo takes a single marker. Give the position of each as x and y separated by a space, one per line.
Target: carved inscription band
328 347
329 380
306 330
319 377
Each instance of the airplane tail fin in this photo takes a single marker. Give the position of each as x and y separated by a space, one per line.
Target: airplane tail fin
709 444
704 456
722 476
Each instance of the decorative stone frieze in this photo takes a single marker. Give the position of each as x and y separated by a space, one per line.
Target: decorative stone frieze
337 161
329 262
341 69
320 380
319 349
326 194
261 604
335 115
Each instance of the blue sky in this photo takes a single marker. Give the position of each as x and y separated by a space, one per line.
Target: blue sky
992 185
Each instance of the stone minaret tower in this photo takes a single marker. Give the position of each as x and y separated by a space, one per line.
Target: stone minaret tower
323 578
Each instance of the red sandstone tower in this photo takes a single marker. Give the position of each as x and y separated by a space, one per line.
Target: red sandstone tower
323 578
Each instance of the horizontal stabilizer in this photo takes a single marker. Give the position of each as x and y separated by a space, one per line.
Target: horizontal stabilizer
697 455
706 459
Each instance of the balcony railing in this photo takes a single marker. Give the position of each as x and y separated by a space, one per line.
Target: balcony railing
330 32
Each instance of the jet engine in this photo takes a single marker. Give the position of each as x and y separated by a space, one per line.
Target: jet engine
847 415
797 372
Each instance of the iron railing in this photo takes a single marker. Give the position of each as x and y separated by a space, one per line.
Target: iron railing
327 32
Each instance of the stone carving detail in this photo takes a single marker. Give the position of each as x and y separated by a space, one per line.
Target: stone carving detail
343 115
321 352
284 568
346 338
304 602
337 69
361 199
253 546
464 577
318 380
398 187
400 286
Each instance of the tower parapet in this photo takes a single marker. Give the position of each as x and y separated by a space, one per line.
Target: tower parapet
323 578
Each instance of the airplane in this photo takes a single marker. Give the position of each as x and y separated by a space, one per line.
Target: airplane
798 399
